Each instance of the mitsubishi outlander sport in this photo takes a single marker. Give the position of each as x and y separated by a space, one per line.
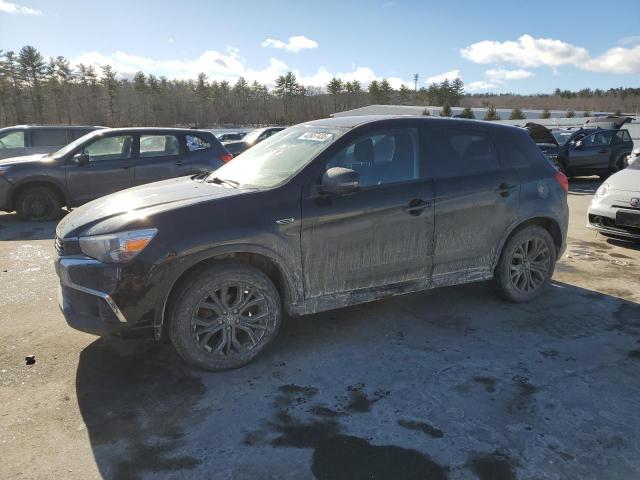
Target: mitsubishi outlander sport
322 215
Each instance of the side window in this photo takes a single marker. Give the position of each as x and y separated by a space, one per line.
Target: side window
75 133
48 137
382 158
598 139
621 136
13 139
625 136
158 146
195 143
110 148
462 152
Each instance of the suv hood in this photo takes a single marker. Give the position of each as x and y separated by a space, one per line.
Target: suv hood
540 133
112 212
627 179
38 157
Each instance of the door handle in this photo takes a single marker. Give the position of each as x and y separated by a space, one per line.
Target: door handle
179 162
604 150
416 206
504 189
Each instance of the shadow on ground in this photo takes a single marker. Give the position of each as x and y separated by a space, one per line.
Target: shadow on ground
13 228
584 185
450 383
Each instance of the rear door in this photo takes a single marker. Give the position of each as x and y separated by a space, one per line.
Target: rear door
476 199
109 169
378 236
203 154
160 157
593 154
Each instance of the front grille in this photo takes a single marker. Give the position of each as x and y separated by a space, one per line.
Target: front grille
59 246
67 246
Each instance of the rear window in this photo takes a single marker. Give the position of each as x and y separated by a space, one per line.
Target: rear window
461 152
622 136
48 137
195 143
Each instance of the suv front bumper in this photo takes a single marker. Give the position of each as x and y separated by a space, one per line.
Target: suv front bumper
85 297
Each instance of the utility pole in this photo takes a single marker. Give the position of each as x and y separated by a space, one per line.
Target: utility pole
415 82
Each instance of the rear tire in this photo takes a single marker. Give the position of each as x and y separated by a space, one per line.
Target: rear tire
526 264
224 316
38 204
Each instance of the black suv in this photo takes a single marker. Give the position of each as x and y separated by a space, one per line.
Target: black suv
323 215
39 139
584 151
103 162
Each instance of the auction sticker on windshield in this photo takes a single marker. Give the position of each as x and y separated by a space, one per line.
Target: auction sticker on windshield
316 136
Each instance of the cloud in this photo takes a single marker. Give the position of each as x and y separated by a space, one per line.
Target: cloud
526 52
171 40
227 66
450 75
530 52
295 44
479 85
633 40
501 74
14 8
616 60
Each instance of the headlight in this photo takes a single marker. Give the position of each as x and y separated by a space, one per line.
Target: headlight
117 247
602 191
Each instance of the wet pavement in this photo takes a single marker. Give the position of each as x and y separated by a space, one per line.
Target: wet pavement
452 383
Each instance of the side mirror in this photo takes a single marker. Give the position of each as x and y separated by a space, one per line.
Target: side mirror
339 181
81 159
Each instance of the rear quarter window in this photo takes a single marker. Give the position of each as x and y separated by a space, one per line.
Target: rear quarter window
456 152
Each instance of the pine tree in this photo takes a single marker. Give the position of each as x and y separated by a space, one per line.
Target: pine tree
335 88
491 113
404 94
33 69
446 110
109 84
516 114
570 114
545 114
385 91
467 113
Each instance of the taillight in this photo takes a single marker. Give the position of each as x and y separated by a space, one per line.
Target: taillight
562 180
225 157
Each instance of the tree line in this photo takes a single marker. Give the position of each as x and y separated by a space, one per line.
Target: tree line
34 89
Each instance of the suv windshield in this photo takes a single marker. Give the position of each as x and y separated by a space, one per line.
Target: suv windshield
278 158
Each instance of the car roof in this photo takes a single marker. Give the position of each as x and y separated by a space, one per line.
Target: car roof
359 120
155 130
30 126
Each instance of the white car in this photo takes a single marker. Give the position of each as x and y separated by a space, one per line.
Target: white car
634 157
615 208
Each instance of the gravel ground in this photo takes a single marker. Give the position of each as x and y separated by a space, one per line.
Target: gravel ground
451 383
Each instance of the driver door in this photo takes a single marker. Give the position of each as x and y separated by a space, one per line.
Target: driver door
593 154
380 235
109 168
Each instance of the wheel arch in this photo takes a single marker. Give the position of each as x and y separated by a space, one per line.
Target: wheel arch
548 223
38 182
266 261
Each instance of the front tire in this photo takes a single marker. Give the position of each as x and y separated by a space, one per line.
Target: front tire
526 265
225 316
38 204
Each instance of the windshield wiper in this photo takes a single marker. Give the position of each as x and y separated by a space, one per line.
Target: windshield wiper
220 181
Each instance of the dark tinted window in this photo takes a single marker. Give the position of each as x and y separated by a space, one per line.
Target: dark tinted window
459 152
622 136
75 133
382 158
48 137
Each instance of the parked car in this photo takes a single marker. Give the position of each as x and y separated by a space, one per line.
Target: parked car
103 162
323 215
39 139
633 157
252 138
615 208
231 136
583 151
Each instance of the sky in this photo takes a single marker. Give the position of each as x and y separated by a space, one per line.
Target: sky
496 46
